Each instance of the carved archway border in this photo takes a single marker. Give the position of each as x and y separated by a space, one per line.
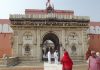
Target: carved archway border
47 33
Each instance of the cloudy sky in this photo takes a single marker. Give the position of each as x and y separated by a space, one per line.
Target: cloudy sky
89 8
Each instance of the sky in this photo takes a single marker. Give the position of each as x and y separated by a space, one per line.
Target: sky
89 8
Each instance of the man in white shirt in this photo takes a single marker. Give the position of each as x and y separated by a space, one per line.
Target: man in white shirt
49 56
56 57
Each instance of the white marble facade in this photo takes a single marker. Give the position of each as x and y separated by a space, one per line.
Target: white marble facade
74 40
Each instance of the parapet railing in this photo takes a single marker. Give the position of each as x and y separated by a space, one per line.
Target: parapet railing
49 15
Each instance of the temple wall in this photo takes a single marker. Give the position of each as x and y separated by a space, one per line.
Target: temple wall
68 37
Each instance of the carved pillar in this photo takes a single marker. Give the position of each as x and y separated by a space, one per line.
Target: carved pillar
63 38
85 39
38 45
20 43
63 42
19 50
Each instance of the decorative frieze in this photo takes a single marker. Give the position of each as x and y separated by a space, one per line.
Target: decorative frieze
49 19
49 15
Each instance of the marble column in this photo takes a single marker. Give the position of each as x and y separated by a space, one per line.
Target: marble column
63 38
38 46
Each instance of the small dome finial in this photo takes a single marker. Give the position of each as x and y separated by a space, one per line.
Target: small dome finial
49 7
48 3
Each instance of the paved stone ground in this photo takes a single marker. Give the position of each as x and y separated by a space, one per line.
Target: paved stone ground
45 67
80 67
59 67
25 68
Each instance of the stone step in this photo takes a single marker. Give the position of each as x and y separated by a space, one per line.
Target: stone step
76 62
31 63
28 58
77 57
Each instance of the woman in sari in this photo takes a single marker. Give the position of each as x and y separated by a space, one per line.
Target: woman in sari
66 61
92 61
98 60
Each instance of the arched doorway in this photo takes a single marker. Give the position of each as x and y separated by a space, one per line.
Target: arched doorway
50 42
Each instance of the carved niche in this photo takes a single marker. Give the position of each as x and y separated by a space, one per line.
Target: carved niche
27 38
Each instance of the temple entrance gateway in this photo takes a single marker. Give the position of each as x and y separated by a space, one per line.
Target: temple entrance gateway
50 42
37 31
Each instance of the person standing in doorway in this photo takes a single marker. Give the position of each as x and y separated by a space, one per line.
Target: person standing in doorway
56 57
49 56
66 61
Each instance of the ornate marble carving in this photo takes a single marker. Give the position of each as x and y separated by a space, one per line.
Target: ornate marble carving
72 38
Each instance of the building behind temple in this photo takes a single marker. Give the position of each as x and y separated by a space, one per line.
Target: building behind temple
94 36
